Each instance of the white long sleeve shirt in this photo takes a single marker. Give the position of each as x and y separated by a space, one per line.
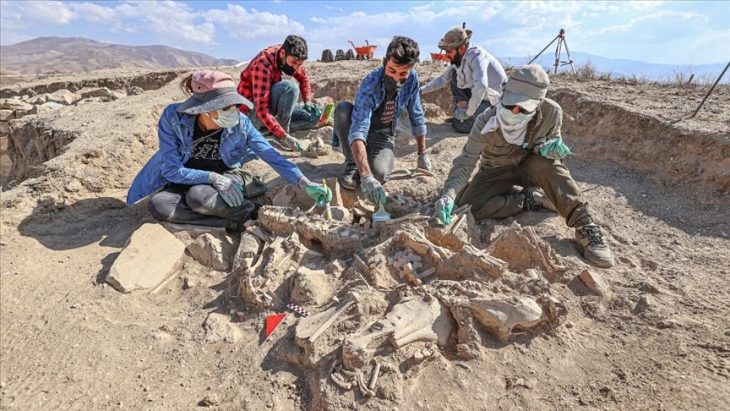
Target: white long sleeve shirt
479 71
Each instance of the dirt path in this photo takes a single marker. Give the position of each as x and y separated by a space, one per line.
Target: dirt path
663 342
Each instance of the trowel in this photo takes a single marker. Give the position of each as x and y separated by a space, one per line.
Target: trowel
381 215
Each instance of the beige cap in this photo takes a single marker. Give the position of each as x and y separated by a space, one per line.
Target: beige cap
454 38
527 87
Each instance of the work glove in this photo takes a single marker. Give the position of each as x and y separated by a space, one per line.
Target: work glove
372 190
460 114
554 149
424 162
289 143
309 106
444 206
231 191
320 193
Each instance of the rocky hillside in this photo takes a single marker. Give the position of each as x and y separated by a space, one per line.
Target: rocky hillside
76 54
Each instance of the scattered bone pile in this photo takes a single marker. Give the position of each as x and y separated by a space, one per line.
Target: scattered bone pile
386 297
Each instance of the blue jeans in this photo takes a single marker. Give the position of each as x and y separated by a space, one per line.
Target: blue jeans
282 101
464 94
380 144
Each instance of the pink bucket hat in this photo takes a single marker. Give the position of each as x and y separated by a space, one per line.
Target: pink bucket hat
212 90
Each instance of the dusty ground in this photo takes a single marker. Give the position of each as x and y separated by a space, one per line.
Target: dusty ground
663 342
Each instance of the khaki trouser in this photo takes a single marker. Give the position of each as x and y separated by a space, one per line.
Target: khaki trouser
490 191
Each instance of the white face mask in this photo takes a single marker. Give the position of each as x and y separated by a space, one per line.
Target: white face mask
227 118
512 120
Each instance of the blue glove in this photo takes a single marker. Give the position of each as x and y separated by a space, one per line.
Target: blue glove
554 149
460 114
444 206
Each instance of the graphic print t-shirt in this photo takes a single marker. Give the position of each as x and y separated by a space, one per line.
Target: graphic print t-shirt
207 151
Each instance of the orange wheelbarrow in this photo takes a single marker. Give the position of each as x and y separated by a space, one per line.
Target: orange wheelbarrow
440 57
363 52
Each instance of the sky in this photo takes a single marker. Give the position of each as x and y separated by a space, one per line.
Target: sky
671 32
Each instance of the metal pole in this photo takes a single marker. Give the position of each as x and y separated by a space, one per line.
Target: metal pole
570 58
710 92
543 50
557 55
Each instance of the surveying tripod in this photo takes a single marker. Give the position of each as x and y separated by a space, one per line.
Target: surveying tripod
561 41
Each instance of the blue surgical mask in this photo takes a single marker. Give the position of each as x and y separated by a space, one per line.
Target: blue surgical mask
227 118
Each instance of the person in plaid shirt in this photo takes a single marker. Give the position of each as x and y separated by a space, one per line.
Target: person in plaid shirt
366 129
275 99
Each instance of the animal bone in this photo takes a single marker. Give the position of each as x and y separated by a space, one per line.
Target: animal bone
313 326
501 317
410 320
376 373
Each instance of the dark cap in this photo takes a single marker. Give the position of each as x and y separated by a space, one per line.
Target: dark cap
454 38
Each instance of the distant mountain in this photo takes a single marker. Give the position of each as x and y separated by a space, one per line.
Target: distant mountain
623 68
76 54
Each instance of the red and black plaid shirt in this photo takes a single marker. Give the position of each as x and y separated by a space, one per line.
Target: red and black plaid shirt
256 81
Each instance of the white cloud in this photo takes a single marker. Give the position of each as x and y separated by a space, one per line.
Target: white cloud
252 24
92 12
169 19
333 8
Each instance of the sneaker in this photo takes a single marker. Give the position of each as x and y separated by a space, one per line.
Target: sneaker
592 245
350 180
536 200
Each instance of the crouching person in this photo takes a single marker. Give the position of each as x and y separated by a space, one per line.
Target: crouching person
519 143
195 175
366 130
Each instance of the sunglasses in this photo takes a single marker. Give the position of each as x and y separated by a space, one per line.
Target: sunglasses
522 110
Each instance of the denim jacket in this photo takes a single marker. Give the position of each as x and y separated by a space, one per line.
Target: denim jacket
239 145
371 95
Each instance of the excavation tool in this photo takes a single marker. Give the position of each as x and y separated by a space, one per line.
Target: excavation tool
328 210
561 42
381 215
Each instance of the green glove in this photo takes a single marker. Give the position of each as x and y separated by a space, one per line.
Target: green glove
321 194
554 149
444 206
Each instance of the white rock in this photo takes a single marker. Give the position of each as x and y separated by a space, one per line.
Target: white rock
212 252
325 133
6 115
52 105
150 256
595 282
63 96
104 93
14 104
218 328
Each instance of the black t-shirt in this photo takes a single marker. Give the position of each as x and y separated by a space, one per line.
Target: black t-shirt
207 151
383 116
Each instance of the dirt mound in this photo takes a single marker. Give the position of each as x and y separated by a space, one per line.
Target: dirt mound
401 315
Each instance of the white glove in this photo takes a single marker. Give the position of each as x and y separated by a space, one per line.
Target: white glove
230 190
289 143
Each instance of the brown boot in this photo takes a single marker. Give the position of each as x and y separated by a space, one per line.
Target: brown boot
592 245
536 200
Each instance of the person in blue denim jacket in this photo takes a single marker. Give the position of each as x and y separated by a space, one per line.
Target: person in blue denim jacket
366 130
203 141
